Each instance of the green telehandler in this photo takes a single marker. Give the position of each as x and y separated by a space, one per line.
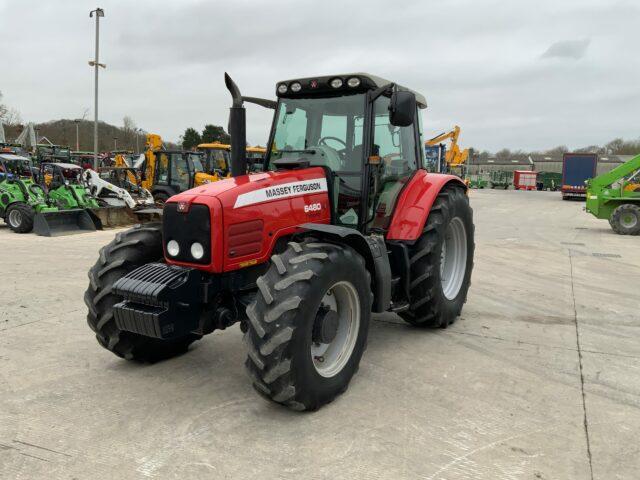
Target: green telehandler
615 196
24 204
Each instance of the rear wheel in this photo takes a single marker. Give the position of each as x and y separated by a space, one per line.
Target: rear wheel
441 262
128 251
308 325
625 220
20 217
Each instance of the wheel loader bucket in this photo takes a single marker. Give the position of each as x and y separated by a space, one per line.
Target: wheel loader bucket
112 217
63 222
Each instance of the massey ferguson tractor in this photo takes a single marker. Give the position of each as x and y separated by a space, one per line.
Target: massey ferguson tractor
343 221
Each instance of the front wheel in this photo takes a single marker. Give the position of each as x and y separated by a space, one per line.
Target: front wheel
625 220
308 324
20 217
130 249
441 262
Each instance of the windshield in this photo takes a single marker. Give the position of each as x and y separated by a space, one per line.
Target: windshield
19 168
321 131
196 162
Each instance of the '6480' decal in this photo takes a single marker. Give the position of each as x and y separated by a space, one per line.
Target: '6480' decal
284 190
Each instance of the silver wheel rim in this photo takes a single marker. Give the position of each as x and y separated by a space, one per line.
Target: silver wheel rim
629 220
15 218
453 258
330 358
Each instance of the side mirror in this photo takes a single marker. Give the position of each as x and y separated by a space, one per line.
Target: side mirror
402 109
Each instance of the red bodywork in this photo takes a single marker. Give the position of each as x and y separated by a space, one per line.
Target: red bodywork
525 180
415 202
245 225
243 235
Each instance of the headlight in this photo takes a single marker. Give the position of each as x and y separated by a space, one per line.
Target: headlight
353 82
173 248
282 88
197 251
296 87
336 83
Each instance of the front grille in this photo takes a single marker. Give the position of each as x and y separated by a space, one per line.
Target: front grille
187 228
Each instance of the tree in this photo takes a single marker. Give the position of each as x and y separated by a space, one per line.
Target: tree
214 133
190 139
9 116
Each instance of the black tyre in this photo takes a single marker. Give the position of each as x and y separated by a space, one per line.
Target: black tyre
19 217
442 261
625 220
129 250
308 324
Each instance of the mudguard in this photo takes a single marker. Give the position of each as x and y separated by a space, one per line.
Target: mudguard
415 202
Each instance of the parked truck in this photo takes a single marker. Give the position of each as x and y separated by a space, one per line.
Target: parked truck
577 168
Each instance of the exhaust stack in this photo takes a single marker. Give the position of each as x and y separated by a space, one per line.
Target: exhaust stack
237 129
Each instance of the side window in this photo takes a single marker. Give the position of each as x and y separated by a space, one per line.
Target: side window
396 147
180 172
162 169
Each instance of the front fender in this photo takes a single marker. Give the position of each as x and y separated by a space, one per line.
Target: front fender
415 202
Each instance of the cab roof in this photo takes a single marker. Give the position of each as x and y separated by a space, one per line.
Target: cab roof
322 85
12 157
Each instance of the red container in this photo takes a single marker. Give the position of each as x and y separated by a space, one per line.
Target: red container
524 180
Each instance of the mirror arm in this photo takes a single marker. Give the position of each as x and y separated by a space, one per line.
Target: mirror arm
374 94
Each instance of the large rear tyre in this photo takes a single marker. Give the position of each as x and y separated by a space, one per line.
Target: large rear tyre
19 217
308 324
130 249
441 262
625 220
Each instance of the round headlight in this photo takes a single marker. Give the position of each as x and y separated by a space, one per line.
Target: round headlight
173 248
282 88
336 83
296 87
353 82
197 251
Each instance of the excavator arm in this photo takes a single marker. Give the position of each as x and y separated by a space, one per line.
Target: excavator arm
453 155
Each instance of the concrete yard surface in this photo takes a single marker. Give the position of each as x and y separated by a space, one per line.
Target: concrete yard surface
539 378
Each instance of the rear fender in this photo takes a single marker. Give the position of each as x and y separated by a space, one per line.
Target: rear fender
415 202
372 249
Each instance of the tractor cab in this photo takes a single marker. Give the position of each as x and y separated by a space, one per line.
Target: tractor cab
52 153
14 166
216 157
362 130
55 175
178 170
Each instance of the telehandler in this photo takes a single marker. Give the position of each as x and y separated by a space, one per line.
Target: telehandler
615 196
342 222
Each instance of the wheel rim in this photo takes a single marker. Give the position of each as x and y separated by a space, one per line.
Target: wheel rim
453 258
330 358
15 218
629 220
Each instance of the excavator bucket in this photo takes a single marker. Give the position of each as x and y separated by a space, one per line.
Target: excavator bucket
63 222
112 217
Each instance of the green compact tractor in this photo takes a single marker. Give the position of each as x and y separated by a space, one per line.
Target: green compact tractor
64 185
615 196
24 204
500 179
478 181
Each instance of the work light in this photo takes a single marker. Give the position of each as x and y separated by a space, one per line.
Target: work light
173 248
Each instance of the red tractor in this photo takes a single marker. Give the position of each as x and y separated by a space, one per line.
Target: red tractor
342 221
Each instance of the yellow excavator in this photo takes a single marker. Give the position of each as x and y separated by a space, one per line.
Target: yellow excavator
168 172
217 157
454 158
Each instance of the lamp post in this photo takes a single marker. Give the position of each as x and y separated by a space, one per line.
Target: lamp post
115 143
96 65
138 130
77 122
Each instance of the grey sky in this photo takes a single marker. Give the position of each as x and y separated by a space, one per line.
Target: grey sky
517 74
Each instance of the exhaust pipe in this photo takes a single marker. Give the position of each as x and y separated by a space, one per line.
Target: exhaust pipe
237 129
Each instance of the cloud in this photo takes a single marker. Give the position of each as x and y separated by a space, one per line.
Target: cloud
574 49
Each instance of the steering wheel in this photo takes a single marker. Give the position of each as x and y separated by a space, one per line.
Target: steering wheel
323 141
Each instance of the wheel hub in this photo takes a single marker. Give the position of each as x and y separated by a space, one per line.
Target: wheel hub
629 220
325 326
453 258
15 218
